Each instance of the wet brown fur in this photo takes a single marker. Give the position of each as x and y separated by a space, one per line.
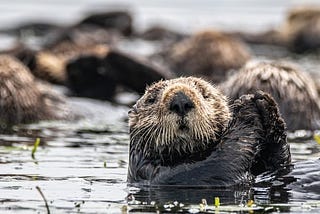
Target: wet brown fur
208 53
22 98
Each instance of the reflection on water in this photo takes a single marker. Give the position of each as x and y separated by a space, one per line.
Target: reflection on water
81 165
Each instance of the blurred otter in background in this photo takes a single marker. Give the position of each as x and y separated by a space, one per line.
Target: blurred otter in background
209 54
84 58
92 71
300 32
116 21
302 29
96 28
90 36
293 90
99 77
50 64
23 99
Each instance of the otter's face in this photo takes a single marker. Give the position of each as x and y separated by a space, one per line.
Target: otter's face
179 114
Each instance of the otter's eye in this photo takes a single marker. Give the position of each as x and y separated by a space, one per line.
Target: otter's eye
150 100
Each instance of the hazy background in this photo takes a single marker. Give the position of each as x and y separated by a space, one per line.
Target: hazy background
187 15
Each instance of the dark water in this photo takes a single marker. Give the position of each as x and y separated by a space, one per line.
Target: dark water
81 166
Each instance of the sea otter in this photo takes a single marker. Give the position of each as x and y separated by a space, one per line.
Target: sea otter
99 77
293 90
209 54
184 132
23 99
299 33
50 64
302 29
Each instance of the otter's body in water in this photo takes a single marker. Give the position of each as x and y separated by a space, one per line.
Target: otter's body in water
184 132
293 90
23 99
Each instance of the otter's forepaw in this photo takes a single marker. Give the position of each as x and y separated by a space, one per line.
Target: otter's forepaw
272 121
275 150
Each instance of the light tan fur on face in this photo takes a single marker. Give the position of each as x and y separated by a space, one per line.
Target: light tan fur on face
154 123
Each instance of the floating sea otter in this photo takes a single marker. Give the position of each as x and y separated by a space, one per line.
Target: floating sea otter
302 29
299 33
23 99
184 132
99 77
293 90
51 64
209 53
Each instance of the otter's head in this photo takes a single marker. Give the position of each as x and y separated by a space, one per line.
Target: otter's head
178 116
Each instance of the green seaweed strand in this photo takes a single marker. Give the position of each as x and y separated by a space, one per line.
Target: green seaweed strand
35 146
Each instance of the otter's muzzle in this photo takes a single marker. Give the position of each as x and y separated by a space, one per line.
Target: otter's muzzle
181 104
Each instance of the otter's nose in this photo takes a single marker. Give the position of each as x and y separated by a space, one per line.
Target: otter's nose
181 104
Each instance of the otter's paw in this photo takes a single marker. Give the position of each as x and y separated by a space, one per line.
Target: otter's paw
275 151
272 121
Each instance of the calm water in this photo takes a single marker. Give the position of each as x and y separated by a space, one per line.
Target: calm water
81 166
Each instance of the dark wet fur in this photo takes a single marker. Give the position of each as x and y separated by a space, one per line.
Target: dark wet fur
253 142
132 72
88 77
98 77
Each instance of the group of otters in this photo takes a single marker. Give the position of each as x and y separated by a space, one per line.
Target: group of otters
186 130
